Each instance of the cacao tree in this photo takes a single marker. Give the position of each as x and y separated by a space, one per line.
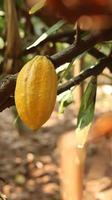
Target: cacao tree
61 32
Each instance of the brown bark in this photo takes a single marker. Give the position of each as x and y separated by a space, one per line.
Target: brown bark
12 62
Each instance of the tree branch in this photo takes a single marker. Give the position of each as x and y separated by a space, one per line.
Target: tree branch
76 50
7 84
92 71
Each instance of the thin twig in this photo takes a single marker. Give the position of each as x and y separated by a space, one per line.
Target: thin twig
76 50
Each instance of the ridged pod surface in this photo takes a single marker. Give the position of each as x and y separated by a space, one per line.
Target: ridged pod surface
35 92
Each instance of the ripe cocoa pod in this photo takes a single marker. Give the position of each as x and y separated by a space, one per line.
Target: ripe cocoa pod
35 92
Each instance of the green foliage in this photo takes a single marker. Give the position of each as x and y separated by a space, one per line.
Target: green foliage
105 47
67 70
86 114
65 100
49 32
86 111
37 6
2 20
1 4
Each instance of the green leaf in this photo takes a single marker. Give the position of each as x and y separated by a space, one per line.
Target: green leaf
45 35
56 27
40 4
65 100
86 113
66 71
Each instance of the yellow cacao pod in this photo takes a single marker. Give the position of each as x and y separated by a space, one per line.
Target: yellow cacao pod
35 92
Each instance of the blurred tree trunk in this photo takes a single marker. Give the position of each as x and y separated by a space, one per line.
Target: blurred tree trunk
12 63
71 168
79 90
